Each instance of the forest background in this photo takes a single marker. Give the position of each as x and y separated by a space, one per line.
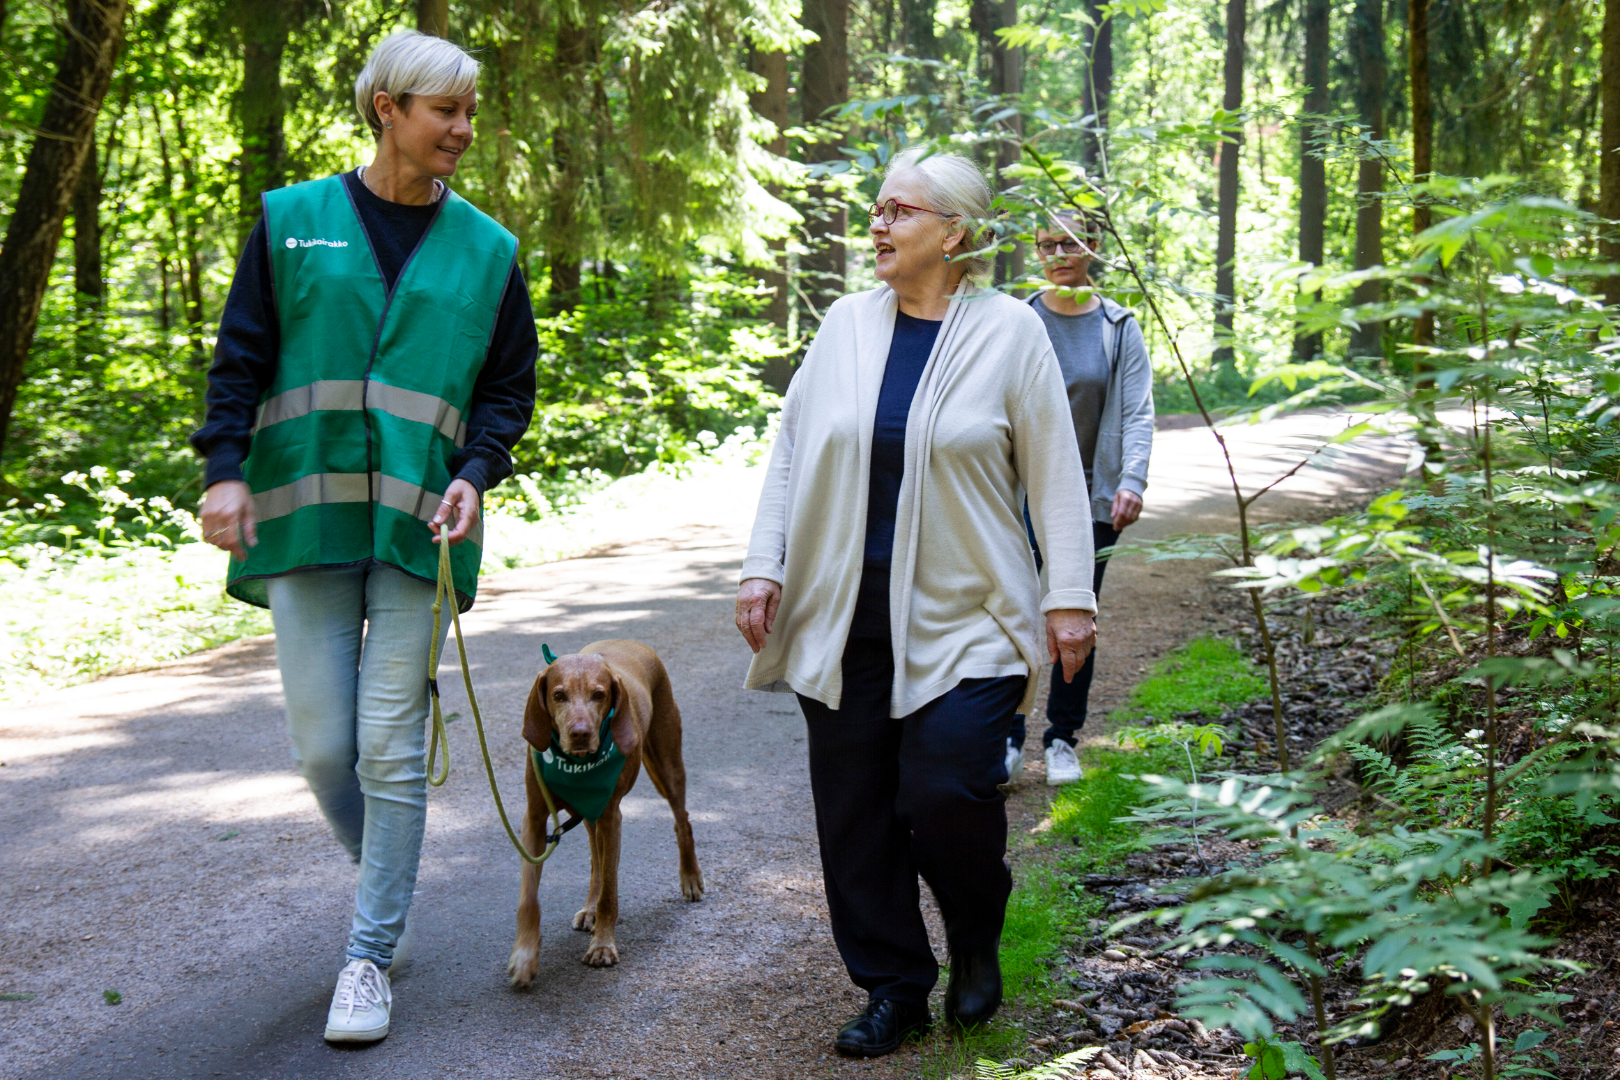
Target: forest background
652 159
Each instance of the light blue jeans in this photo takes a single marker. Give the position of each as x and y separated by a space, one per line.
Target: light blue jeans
352 645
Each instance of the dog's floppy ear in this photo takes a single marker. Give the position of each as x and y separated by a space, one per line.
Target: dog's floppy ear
537 713
630 700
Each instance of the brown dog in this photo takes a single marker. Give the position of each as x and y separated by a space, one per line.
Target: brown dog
571 698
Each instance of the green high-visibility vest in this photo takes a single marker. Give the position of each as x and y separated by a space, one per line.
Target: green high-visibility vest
352 449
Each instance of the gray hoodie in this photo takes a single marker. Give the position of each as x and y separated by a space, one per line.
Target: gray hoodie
1125 432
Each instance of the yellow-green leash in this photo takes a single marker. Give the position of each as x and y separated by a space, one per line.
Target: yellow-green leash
437 737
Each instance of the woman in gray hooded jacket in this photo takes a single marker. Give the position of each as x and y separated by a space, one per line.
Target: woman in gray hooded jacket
1109 378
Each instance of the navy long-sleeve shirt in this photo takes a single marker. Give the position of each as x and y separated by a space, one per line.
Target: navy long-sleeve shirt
908 355
249 346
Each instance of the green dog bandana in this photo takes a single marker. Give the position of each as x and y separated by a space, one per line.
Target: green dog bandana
585 783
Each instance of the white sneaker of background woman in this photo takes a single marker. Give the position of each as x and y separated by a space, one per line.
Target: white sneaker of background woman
1062 766
1015 762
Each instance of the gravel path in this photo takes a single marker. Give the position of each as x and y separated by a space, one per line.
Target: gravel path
157 842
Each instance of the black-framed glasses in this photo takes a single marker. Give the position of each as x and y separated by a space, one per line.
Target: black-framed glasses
889 210
1068 245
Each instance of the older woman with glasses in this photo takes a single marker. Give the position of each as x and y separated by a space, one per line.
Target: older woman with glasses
1108 377
375 367
890 585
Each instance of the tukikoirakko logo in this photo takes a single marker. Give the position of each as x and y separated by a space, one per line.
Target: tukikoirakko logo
569 766
294 242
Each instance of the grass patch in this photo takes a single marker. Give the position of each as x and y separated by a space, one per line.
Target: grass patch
1204 676
1037 920
1086 814
950 1055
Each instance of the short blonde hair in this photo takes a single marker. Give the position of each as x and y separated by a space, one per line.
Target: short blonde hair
408 63
955 186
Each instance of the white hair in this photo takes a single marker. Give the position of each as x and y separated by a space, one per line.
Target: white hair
408 63
955 186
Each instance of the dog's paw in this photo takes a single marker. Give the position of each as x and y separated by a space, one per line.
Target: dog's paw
585 919
692 885
602 955
521 968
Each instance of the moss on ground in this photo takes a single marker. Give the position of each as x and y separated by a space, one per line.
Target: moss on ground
1205 676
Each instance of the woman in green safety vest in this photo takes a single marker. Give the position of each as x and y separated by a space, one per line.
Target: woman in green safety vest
374 369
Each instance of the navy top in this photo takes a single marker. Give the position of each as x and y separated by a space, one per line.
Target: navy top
249 345
908 355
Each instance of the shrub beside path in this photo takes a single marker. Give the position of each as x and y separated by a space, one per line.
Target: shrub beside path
157 842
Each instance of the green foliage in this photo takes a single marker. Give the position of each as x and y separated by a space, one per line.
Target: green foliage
1413 905
120 584
650 370
112 997
1517 1061
1276 1060
1068 1067
1206 737
1090 814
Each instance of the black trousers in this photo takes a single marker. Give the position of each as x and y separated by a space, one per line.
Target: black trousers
1067 702
899 798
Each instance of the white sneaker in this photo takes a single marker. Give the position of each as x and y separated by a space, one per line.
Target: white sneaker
1015 762
360 1005
1062 767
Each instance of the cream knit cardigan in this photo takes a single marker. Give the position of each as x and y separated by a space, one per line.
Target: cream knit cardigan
990 421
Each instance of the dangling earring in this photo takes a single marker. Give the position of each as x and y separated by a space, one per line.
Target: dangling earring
947 258
388 124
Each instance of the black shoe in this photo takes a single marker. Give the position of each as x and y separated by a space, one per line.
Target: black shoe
974 992
882 1028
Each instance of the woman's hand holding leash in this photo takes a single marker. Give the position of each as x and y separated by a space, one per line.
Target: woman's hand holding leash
1071 634
757 600
228 521
460 498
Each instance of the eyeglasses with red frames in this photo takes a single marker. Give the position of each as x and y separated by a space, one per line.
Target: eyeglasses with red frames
890 209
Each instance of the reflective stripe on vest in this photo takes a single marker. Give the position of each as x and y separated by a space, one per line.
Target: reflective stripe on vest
321 488
354 395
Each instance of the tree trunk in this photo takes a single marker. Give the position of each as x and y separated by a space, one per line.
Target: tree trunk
1417 36
921 41
1367 53
1002 69
178 210
87 281
571 156
772 104
1609 164
433 17
42 201
824 85
1225 356
1312 169
195 314
263 25
1099 88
